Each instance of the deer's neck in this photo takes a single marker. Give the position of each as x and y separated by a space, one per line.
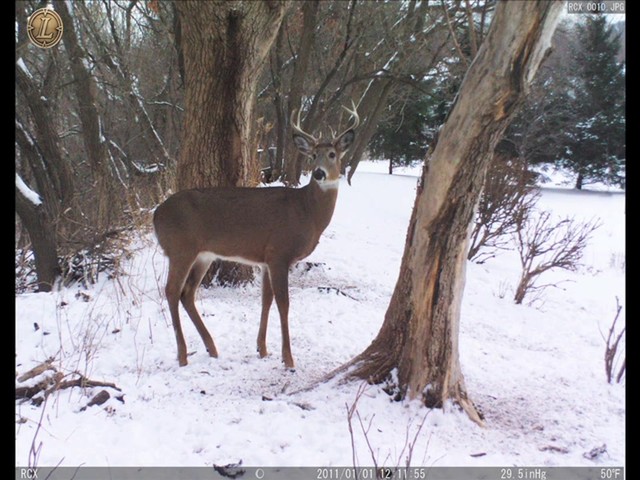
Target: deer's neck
321 201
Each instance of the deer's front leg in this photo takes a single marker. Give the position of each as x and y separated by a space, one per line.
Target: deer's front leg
279 275
267 300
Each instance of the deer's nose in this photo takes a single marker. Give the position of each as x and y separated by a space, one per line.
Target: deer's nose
319 174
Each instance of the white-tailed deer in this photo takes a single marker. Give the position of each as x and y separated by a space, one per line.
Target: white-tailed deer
270 227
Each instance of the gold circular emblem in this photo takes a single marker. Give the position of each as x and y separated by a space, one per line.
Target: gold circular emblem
44 28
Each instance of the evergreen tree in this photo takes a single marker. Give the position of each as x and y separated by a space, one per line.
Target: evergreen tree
594 146
405 137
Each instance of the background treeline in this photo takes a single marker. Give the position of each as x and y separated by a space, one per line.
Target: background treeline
99 117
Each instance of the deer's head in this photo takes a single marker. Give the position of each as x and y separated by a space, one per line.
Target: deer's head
325 156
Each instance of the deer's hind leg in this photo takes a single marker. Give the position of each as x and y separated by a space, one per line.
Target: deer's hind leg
179 268
279 276
196 274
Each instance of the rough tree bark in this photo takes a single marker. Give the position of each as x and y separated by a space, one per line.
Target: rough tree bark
419 337
38 218
43 240
223 45
59 182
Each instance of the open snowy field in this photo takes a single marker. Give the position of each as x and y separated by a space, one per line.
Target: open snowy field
536 372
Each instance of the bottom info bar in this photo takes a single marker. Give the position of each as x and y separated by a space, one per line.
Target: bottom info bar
320 473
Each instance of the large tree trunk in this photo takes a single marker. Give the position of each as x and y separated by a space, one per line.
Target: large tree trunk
41 155
224 45
419 337
39 218
43 239
59 182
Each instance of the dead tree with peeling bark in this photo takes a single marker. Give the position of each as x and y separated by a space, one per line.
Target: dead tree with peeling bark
418 341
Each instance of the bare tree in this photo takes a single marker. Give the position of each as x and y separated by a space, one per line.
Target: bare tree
68 104
329 51
114 53
543 245
94 134
508 195
419 337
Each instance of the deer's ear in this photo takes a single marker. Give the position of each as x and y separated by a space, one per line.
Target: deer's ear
345 140
302 144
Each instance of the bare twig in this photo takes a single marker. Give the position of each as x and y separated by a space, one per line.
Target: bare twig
406 453
454 37
34 452
351 411
507 197
611 351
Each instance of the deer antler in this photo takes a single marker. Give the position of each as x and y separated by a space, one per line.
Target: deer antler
298 129
354 115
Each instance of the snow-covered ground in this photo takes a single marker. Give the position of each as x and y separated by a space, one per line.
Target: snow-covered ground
537 372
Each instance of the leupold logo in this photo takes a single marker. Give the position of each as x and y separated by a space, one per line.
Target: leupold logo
44 28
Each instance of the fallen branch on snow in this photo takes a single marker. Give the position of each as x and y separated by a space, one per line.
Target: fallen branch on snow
53 383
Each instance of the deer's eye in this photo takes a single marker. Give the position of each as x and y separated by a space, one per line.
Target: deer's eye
332 155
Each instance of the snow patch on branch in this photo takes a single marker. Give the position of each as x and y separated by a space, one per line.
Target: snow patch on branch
29 194
25 133
390 61
86 63
147 169
100 131
24 68
138 97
